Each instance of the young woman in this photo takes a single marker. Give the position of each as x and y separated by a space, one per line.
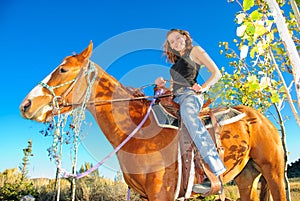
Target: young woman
186 60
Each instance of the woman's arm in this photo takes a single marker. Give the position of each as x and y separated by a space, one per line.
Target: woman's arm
160 82
201 57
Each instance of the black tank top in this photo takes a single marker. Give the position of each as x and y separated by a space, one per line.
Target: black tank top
184 72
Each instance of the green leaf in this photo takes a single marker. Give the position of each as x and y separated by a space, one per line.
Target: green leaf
281 89
253 87
279 50
250 30
260 30
275 97
269 37
244 99
247 4
255 15
253 83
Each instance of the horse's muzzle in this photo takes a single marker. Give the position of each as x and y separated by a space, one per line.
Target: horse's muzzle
25 105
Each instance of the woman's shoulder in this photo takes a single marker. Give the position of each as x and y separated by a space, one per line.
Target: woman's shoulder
197 49
196 53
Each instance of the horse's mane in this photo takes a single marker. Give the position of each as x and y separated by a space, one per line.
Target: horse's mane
137 93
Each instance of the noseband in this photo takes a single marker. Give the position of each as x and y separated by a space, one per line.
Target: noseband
59 101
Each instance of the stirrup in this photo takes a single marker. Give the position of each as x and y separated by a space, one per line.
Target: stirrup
205 187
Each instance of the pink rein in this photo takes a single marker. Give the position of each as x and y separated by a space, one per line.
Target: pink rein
78 176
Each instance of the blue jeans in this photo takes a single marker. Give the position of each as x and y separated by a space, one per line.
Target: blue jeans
190 106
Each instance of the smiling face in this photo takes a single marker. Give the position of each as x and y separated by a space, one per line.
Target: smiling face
177 41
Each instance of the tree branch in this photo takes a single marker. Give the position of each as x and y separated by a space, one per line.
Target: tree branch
296 12
289 98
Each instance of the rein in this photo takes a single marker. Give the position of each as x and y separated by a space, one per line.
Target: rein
78 176
89 68
58 102
99 102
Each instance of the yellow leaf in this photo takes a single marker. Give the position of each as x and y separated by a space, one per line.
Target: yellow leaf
247 4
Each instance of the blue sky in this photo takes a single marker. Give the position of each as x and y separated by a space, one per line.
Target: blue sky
36 35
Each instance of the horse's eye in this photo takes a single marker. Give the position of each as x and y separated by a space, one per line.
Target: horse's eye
63 70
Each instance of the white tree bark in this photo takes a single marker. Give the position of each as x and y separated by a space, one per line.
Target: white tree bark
289 44
288 95
296 12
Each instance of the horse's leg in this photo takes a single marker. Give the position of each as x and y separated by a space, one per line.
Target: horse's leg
265 194
247 182
272 168
160 185
274 177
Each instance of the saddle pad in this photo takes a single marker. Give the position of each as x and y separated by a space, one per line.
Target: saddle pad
166 120
224 117
163 118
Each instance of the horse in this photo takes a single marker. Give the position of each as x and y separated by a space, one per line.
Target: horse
149 160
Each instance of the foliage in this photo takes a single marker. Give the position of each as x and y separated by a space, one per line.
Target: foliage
295 187
254 89
256 79
294 169
92 188
86 166
253 80
297 2
27 153
45 188
88 188
13 186
66 137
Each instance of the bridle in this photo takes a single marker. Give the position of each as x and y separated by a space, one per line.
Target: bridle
58 102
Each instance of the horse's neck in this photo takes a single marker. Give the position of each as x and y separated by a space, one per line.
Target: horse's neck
115 118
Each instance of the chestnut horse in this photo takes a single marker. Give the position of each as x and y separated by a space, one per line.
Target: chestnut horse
149 160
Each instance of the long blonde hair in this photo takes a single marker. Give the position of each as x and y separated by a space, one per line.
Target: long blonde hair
171 54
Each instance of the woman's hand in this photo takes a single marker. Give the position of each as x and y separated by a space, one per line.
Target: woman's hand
160 82
197 88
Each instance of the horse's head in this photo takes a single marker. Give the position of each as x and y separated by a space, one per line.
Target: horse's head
58 88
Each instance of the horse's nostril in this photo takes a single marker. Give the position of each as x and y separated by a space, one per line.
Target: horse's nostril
26 105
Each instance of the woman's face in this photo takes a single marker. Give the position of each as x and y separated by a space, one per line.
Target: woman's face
177 41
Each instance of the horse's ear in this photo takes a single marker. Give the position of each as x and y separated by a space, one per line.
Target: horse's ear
88 51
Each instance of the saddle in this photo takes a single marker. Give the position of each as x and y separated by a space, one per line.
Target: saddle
191 159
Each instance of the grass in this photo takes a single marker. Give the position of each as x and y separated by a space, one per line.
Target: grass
295 189
231 191
99 188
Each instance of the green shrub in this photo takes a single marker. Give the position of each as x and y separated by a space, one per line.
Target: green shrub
13 187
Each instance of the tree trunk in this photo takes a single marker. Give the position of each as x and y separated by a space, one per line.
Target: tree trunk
74 171
288 42
296 12
73 181
283 139
58 157
57 186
